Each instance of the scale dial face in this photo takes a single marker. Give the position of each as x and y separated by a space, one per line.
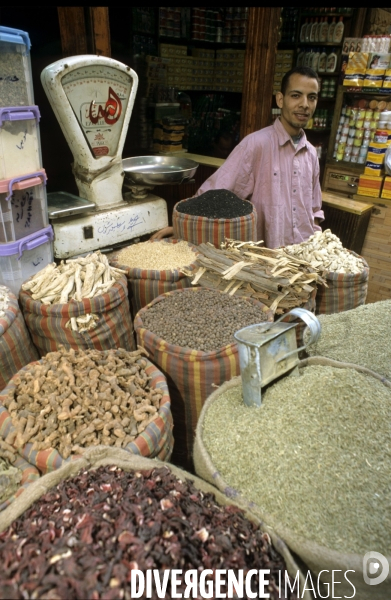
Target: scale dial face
99 95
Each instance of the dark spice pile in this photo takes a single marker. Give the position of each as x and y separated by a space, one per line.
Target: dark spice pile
180 318
216 204
83 538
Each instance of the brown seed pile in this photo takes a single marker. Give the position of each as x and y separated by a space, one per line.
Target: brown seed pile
316 456
201 319
360 336
128 520
72 400
159 255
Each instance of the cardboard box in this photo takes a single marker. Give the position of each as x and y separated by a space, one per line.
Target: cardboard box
370 185
386 191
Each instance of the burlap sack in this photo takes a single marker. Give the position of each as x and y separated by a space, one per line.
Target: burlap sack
322 561
366 327
29 474
103 456
344 291
191 375
16 347
147 284
198 230
155 441
47 323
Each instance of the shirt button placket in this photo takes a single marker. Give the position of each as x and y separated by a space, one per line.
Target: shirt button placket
295 183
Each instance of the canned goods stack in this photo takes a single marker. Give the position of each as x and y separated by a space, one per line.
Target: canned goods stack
360 127
25 234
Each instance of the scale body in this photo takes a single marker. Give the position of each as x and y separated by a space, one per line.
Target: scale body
92 98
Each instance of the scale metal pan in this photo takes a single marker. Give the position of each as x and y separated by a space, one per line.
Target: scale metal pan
158 170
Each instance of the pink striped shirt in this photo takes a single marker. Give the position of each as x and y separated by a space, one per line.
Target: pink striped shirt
281 180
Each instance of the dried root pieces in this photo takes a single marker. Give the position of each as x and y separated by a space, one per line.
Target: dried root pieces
75 399
324 251
74 279
82 323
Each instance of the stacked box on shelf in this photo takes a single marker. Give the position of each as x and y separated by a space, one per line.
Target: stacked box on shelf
180 72
284 62
203 76
179 65
156 73
229 67
25 234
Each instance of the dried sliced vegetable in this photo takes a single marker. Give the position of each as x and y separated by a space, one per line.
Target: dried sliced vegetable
73 279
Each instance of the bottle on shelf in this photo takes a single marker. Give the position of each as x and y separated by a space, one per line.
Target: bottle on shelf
324 31
303 30
322 64
331 62
338 31
332 27
314 29
300 57
315 59
308 30
308 58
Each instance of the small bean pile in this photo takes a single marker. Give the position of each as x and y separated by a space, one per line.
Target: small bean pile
203 320
129 520
160 256
216 204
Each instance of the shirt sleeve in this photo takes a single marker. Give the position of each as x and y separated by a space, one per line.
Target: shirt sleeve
317 199
236 174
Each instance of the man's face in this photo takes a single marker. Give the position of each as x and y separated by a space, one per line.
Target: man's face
298 103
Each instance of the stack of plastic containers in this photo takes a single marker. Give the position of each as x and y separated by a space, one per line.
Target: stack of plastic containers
25 235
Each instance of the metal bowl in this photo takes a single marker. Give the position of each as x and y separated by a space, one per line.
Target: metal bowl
158 170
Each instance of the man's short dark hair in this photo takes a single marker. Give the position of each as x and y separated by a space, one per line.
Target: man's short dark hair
306 71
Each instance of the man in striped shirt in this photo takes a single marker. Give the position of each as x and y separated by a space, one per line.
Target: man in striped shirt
277 169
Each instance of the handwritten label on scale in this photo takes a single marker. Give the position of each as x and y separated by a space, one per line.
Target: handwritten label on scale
99 96
128 224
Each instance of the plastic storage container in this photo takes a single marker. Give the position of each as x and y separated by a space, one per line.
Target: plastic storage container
23 206
20 144
16 84
21 259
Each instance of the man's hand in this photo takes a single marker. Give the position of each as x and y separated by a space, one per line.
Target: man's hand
162 233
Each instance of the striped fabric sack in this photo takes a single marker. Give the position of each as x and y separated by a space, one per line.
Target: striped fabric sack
156 441
147 284
198 230
50 324
16 347
191 376
29 474
344 291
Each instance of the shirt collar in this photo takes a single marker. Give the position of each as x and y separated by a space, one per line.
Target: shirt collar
284 137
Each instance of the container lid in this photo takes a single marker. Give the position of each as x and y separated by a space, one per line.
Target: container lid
29 242
21 182
15 36
64 204
19 113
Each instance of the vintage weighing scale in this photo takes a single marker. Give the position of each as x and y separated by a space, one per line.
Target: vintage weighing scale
269 350
93 97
